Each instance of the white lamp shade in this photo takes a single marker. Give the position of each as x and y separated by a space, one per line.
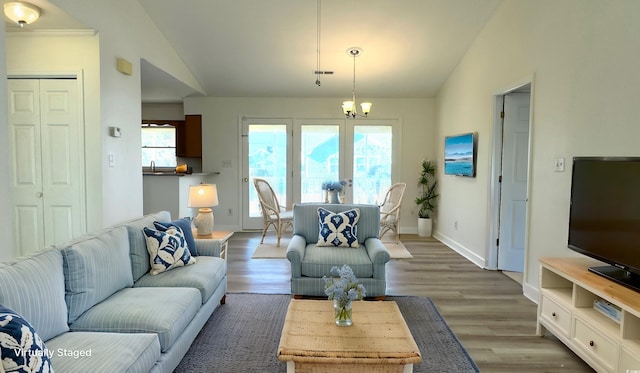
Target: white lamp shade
203 195
366 107
21 13
347 106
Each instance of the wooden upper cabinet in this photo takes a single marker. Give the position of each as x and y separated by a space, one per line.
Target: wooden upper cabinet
189 137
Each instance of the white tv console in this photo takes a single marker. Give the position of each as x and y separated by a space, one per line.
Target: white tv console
567 293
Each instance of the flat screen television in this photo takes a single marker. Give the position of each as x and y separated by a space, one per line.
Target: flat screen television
604 218
460 155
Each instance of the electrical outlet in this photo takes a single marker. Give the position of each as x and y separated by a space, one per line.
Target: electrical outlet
230 212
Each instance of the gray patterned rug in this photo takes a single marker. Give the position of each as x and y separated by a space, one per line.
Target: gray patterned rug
243 336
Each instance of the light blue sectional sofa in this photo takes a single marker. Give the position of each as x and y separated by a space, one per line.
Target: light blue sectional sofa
310 262
97 308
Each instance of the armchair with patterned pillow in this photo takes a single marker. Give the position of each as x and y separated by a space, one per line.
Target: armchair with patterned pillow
328 235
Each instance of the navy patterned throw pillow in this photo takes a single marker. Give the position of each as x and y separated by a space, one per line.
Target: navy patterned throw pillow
338 229
185 225
167 250
21 348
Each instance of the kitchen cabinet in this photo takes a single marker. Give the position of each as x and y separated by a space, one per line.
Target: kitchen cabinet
189 137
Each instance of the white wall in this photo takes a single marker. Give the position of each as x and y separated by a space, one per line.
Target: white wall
585 56
125 31
7 251
151 111
221 119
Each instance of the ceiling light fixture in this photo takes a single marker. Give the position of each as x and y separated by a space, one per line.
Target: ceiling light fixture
21 13
349 107
317 71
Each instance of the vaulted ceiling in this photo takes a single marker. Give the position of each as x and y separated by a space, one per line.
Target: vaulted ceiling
269 48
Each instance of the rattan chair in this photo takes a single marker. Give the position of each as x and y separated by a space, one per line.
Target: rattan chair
390 209
273 215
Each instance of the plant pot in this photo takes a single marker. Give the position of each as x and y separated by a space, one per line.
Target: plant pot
425 225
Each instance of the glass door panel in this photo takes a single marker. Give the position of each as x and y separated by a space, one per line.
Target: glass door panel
372 162
319 159
266 155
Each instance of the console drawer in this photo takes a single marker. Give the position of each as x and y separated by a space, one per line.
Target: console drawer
629 362
556 315
599 347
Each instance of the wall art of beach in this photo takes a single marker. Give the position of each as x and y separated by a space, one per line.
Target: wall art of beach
458 155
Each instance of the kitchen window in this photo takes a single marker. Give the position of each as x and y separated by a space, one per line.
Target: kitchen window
159 145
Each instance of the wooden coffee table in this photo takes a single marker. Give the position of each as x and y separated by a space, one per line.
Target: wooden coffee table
378 341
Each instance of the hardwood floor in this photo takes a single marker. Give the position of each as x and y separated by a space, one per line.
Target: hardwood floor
485 309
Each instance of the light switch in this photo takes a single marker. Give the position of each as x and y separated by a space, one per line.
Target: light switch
559 165
112 159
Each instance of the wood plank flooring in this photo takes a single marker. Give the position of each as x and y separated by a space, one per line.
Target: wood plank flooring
485 309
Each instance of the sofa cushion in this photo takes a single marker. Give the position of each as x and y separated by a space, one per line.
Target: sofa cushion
20 345
104 352
138 243
185 225
34 284
167 249
318 261
164 311
96 268
338 229
205 276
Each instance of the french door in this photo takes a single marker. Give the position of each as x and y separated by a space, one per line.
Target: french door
297 157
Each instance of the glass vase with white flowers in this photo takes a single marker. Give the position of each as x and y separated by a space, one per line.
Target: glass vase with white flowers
343 290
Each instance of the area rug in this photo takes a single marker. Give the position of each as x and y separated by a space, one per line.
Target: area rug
269 250
243 336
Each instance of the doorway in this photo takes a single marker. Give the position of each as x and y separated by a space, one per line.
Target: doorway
510 179
46 156
297 156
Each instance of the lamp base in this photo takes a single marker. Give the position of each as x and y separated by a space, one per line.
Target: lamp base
204 221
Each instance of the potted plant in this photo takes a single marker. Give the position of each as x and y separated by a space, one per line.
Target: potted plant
426 201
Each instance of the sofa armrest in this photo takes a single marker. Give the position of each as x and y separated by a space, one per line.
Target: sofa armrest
295 253
377 251
379 255
208 247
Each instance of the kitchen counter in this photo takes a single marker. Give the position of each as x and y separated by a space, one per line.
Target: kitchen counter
169 191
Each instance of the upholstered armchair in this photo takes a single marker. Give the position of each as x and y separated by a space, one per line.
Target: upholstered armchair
310 261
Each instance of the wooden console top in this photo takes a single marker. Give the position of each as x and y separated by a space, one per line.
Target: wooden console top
577 269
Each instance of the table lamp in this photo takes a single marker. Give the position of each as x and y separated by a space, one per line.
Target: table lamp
203 196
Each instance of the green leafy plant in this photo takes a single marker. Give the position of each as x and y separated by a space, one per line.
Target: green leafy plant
426 201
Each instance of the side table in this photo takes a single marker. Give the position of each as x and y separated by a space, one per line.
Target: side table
222 236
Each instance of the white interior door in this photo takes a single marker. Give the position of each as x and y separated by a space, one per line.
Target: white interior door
47 162
515 171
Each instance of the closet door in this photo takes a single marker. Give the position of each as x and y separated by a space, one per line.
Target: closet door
46 160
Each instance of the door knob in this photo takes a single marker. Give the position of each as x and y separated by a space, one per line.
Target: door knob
39 194
246 179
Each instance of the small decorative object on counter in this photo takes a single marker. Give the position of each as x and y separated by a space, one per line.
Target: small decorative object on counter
343 290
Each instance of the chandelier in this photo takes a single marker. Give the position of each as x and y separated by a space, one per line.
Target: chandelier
349 108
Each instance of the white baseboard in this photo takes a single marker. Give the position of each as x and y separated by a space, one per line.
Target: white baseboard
460 249
531 292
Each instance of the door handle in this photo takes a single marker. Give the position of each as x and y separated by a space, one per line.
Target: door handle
39 194
246 179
